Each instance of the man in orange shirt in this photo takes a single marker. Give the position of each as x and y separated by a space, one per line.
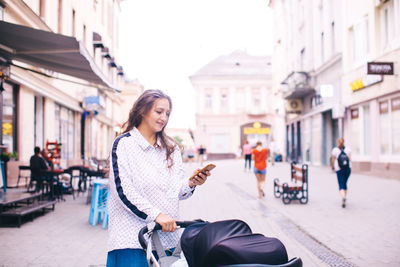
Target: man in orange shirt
259 155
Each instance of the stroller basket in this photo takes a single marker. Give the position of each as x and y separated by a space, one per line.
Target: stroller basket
221 243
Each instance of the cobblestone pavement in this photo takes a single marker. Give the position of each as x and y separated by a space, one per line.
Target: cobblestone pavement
365 233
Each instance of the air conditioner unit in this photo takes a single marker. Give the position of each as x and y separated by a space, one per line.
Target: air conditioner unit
293 106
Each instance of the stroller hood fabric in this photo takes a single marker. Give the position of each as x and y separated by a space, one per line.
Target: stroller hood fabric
229 242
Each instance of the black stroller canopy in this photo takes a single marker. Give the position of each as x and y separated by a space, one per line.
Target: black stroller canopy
229 242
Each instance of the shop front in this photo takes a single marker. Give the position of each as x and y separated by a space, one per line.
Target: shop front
254 132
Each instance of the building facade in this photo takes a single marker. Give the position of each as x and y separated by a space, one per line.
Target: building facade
67 93
307 69
323 48
371 93
234 103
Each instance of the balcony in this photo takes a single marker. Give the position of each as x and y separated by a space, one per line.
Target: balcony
297 85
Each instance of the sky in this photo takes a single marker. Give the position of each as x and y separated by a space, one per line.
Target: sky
162 43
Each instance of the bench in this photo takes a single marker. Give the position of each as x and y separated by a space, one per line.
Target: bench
297 188
21 211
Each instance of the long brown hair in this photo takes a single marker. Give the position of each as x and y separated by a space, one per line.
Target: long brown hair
143 106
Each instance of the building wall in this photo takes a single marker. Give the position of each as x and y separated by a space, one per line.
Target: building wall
225 103
90 16
308 40
364 31
372 134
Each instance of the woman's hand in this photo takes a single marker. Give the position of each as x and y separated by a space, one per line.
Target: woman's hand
167 223
199 178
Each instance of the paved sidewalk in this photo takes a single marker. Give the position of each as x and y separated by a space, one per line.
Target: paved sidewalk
366 233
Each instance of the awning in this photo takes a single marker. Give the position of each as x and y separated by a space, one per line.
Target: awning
50 51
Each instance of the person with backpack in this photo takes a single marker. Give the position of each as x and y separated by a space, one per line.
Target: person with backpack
341 163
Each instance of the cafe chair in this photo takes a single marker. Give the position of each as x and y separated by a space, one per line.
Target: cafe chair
24 172
98 208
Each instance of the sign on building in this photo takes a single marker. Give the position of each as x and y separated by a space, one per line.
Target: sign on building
380 68
293 106
365 82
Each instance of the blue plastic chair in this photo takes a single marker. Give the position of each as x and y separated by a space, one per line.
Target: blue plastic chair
98 207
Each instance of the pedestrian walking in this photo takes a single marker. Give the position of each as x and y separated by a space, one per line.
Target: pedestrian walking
202 154
259 155
341 163
147 180
247 155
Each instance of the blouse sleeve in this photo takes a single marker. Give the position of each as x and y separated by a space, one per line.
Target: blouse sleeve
126 188
185 190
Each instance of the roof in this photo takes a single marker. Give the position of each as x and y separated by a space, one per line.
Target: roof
238 63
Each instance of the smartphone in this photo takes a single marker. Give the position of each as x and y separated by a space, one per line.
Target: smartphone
208 167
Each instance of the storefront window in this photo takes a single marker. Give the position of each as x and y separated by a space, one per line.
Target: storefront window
384 127
8 117
367 130
64 130
355 131
395 125
38 122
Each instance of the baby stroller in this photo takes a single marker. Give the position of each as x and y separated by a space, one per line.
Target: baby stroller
221 243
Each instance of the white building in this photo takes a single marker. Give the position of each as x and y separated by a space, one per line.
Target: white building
60 74
372 121
307 71
322 48
234 103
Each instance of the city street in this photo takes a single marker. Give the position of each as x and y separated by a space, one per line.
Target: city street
321 232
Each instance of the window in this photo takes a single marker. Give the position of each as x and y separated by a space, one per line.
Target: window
9 134
42 8
361 40
387 23
355 131
395 115
302 58
73 23
208 100
384 127
38 121
60 16
224 100
322 48
361 130
240 100
333 40
256 96
65 128
366 130
397 17
84 35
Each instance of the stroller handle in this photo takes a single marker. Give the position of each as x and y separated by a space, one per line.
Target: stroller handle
144 230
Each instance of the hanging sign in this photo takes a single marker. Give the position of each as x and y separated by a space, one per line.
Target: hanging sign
380 68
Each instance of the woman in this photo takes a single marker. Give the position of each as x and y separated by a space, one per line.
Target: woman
341 163
247 155
259 155
147 180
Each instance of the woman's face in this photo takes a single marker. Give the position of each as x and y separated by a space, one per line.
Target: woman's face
156 119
